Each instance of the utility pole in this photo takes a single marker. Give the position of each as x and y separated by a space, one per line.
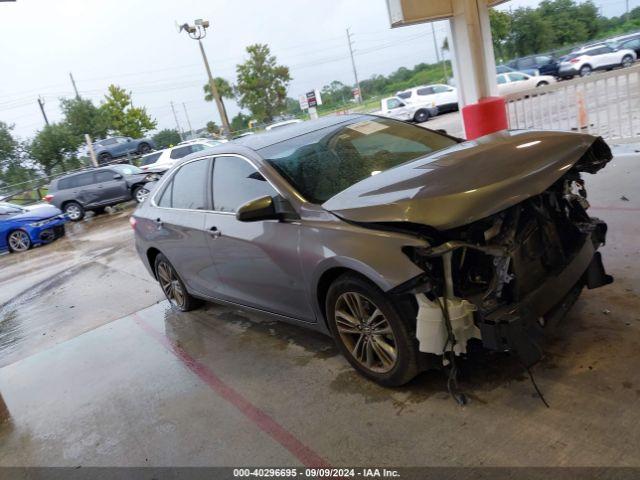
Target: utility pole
75 89
188 121
627 17
437 49
41 105
353 64
198 31
176 119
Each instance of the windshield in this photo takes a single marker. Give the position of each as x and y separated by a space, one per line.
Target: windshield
126 169
9 208
321 164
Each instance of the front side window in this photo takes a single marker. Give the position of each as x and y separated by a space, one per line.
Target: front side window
441 89
83 180
502 79
517 77
108 141
186 189
104 176
394 103
322 163
149 159
235 182
404 95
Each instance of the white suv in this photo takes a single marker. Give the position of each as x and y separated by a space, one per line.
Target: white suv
161 161
443 96
595 57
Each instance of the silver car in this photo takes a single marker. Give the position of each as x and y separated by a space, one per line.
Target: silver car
404 244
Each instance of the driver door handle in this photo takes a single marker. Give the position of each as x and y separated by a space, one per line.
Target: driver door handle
214 232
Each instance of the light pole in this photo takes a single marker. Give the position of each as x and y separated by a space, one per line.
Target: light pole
198 31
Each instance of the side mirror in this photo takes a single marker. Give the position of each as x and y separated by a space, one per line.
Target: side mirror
258 209
117 176
442 131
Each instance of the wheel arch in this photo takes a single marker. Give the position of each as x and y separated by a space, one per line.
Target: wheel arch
152 253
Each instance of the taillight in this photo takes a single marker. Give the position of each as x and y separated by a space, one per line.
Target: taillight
133 222
48 198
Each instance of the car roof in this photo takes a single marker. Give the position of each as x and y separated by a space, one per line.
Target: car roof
277 135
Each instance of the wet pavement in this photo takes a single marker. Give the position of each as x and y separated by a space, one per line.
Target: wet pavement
120 379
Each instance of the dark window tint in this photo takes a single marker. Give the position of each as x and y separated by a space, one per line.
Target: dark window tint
424 91
180 152
526 62
187 187
104 176
65 183
404 95
149 159
543 60
83 180
321 164
235 182
441 89
108 141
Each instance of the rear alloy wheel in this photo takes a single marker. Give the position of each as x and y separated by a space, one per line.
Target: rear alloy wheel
104 158
172 286
627 61
421 116
19 241
369 331
542 83
585 70
74 211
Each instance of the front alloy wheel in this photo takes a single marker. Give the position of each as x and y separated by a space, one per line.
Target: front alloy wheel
74 211
19 241
374 331
366 332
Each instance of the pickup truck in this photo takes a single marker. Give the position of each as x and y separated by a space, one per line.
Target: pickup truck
395 107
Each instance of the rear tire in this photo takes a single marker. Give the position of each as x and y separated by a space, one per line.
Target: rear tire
542 83
374 333
139 194
144 148
173 286
585 70
74 211
421 116
104 158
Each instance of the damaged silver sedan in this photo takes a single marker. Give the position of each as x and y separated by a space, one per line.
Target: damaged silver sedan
402 243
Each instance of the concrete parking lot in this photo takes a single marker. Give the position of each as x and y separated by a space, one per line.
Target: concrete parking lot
96 369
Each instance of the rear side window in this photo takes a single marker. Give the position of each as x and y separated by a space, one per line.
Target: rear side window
404 95
180 152
66 183
235 182
424 91
186 190
149 159
83 180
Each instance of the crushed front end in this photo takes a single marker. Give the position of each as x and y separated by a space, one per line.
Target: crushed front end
522 268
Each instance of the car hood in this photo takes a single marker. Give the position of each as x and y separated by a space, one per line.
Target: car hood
470 180
37 212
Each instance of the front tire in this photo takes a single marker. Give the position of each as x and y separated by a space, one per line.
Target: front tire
74 211
139 194
173 287
372 331
542 83
19 241
627 61
421 116
104 158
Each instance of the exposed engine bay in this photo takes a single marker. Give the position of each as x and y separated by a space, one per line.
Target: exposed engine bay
505 278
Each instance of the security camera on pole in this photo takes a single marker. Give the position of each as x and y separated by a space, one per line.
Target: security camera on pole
198 31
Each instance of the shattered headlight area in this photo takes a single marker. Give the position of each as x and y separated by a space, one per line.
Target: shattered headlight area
519 270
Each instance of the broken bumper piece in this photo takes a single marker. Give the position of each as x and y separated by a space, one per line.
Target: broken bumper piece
519 327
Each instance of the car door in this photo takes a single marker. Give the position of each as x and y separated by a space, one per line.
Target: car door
519 81
257 261
445 95
111 187
180 233
397 109
84 190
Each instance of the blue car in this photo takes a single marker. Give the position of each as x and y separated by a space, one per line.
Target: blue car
24 227
114 147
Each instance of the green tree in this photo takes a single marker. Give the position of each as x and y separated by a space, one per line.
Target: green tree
55 148
225 89
531 33
122 117
500 33
14 168
262 84
240 122
213 128
166 138
82 116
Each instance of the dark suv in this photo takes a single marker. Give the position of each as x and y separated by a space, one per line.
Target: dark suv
536 65
96 189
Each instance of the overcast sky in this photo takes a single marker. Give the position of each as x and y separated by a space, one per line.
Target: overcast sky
134 44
